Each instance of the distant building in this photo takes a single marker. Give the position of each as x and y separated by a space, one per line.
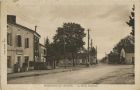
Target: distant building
82 57
42 53
22 46
127 53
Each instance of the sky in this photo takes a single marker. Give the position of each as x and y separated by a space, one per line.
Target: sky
105 18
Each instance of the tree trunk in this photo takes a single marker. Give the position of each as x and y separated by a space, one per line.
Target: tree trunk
54 65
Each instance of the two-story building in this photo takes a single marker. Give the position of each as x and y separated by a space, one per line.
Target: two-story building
22 46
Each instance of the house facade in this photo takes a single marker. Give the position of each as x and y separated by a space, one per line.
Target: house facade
127 55
22 46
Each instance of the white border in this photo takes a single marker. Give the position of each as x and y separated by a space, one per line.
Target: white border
3 51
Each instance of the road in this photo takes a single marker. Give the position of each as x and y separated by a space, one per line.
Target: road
89 75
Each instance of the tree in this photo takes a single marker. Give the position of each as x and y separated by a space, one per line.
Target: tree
131 21
51 54
69 39
127 41
92 51
47 43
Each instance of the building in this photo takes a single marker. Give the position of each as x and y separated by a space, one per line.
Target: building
127 55
22 46
41 63
82 58
42 53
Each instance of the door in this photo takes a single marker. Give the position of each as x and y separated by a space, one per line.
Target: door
19 61
26 63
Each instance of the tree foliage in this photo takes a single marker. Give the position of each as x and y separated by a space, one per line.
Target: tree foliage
71 34
131 21
47 43
92 51
127 41
69 39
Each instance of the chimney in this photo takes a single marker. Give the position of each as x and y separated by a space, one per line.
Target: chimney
35 28
11 19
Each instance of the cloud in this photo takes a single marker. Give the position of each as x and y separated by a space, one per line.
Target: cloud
118 13
106 20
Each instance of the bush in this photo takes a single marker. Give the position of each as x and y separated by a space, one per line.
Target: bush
40 66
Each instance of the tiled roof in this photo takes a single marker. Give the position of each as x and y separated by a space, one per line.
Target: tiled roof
42 45
25 28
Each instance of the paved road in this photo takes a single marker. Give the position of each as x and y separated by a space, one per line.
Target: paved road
86 75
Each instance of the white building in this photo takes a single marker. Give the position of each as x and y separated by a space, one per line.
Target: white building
42 53
127 53
22 46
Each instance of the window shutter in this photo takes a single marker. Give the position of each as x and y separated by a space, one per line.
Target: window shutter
25 42
8 38
19 41
11 39
16 41
28 42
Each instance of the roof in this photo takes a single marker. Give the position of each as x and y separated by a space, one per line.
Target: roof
25 28
129 49
42 45
82 54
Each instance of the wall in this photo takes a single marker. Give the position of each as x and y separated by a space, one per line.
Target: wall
13 50
129 58
41 53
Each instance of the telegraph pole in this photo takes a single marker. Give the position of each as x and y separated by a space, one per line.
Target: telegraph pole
96 55
91 44
64 47
88 48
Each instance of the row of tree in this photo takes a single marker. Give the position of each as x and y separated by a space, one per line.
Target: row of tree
127 41
68 41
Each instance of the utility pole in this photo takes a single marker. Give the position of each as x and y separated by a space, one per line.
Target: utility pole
91 45
64 47
88 62
96 55
91 55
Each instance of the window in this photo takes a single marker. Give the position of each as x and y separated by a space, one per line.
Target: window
19 60
44 51
26 42
9 39
18 40
26 59
9 63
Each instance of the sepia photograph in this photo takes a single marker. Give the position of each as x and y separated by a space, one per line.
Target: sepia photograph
67 42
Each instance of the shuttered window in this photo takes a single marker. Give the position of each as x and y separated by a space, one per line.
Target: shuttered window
18 41
26 42
9 39
9 62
